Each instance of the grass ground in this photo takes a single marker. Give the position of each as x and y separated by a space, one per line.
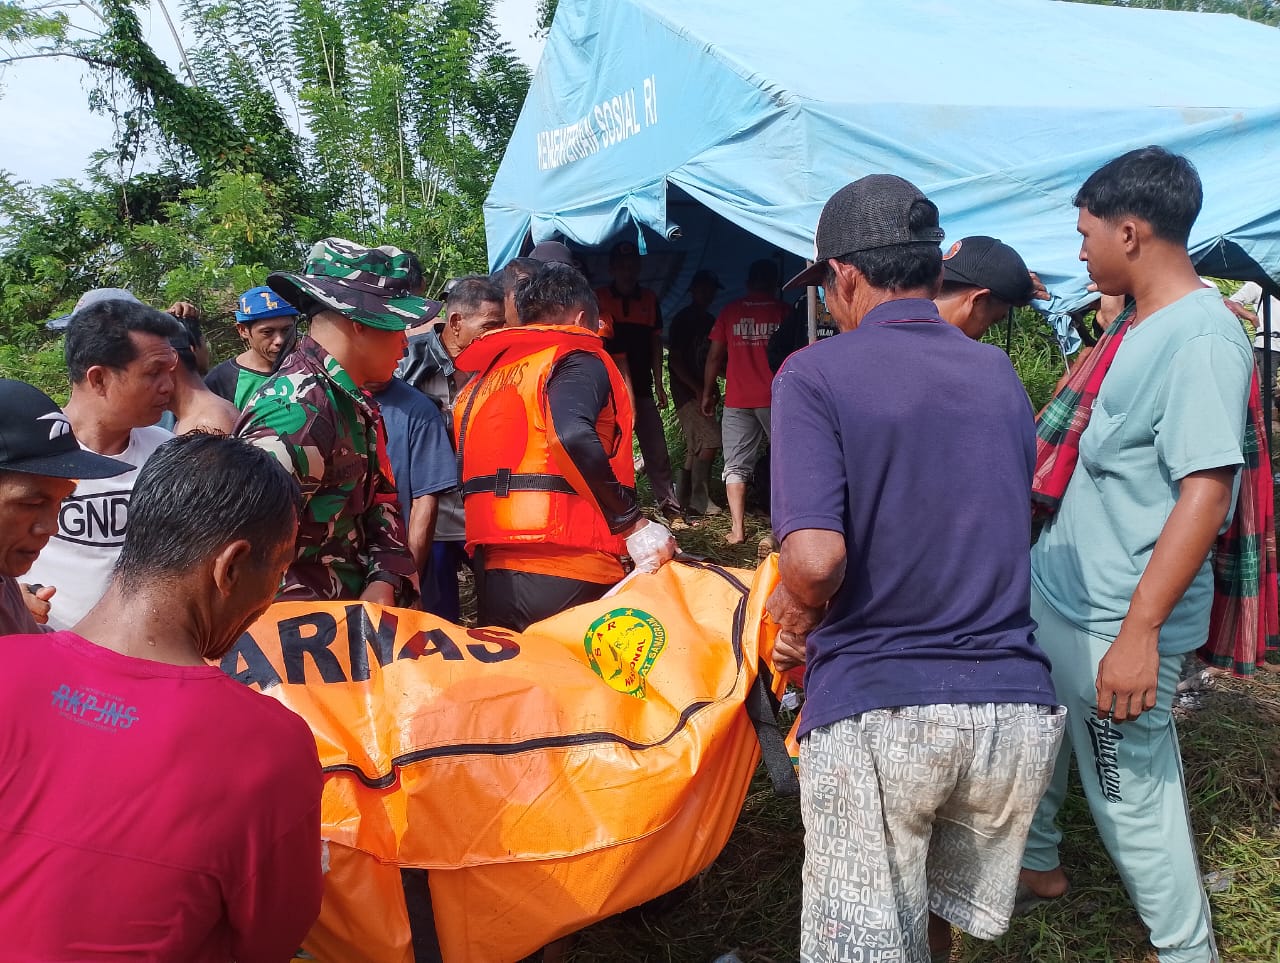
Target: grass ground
748 901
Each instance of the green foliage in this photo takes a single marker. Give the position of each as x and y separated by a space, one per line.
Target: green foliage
19 25
39 364
378 120
1035 354
546 13
201 243
1263 11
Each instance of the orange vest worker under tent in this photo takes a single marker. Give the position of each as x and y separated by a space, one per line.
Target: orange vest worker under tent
540 781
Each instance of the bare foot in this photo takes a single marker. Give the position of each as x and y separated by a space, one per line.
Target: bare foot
735 538
1046 884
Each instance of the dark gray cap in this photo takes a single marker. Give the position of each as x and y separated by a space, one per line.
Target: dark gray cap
94 296
551 252
871 213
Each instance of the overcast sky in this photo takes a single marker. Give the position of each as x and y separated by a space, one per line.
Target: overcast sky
44 103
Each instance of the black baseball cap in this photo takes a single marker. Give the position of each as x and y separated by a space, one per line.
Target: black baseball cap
624 249
985 262
871 213
36 438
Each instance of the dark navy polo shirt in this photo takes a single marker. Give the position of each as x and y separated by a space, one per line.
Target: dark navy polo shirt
917 444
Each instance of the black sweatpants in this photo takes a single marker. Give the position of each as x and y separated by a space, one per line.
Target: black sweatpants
515 600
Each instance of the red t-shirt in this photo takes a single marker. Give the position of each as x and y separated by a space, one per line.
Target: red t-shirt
150 811
744 326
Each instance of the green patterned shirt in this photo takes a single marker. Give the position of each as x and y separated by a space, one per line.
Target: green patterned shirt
328 435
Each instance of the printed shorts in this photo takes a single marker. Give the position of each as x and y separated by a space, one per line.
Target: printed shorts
915 810
699 430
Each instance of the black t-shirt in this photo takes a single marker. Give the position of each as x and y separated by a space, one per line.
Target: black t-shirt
635 341
235 382
689 340
221 380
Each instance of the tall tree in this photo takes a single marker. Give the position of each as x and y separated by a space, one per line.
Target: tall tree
381 120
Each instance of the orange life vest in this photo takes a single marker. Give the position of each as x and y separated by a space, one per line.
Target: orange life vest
639 308
518 483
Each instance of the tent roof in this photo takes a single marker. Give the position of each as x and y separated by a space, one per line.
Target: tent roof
997 109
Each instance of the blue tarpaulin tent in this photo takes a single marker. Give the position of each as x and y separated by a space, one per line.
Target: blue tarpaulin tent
714 130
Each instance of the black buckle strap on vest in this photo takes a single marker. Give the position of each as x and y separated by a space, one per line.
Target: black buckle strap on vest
504 482
762 710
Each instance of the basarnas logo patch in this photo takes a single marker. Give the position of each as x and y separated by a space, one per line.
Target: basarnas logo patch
622 646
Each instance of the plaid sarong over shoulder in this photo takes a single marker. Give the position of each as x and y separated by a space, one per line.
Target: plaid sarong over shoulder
1065 417
1243 625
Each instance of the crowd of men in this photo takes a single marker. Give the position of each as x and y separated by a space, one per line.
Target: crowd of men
951 672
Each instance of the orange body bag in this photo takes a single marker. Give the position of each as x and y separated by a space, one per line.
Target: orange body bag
544 780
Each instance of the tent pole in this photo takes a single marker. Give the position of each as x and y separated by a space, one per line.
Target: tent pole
1268 376
813 310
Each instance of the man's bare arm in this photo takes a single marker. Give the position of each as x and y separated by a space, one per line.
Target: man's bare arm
1129 672
811 567
422 528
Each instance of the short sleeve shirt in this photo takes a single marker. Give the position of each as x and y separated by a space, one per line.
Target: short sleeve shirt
92 523
1174 402
636 317
915 444
234 382
202 841
417 444
428 367
688 341
744 326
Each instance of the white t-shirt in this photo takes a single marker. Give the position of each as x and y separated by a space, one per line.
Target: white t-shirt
91 526
1251 297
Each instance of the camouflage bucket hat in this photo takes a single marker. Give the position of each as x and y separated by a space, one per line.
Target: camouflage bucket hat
369 285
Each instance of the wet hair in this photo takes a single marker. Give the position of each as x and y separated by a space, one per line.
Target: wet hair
555 291
197 493
186 343
469 293
1151 183
901 267
518 269
99 335
516 273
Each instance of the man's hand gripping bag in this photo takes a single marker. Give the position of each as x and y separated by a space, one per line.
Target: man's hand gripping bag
543 780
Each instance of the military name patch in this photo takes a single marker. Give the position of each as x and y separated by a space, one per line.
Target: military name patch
622 646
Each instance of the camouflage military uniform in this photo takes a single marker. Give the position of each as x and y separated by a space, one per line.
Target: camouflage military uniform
328 434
